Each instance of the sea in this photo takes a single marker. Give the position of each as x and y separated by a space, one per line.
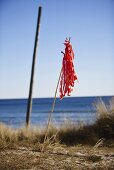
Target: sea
69 109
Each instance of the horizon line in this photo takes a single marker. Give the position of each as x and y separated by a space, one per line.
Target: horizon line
57 97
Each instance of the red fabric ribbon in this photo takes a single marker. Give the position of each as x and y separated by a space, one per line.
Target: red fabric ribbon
68 75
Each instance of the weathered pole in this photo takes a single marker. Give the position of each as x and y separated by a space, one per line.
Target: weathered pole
29 104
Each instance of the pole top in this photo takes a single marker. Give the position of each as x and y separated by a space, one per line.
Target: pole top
40 7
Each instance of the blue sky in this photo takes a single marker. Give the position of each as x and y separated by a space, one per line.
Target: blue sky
89 23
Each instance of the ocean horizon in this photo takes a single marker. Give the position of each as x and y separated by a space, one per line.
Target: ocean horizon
73 109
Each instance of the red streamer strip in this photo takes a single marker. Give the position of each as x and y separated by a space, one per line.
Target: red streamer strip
68 75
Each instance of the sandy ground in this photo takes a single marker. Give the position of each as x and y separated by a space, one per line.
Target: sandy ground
58 158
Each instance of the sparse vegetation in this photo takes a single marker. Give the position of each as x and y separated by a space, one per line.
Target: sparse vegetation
69 133
71 146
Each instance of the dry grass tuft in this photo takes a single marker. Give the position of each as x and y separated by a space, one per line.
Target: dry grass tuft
104 124
103 128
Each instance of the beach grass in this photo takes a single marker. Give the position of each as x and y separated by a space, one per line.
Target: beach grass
100 132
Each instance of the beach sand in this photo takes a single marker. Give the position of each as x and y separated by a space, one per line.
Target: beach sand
59 157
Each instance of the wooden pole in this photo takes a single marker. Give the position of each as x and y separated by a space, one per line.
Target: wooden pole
29 104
